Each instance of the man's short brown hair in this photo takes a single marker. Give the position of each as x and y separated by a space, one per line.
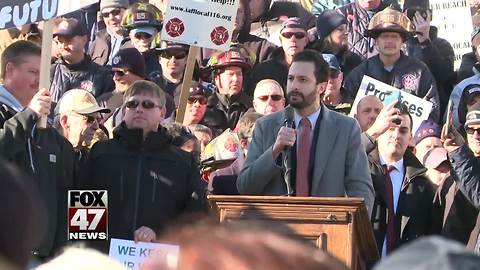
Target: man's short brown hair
145 87
17 52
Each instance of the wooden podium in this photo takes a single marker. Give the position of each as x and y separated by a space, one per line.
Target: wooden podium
339 225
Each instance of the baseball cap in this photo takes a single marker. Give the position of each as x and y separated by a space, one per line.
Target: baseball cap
69 27
293 22
113 4
197 89
434 157
144 29
469 92
79 101
426 129
473 115
169 45
332 61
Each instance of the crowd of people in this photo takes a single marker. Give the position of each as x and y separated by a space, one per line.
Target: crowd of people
273 115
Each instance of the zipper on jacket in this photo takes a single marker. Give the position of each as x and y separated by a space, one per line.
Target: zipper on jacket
154 180
137 190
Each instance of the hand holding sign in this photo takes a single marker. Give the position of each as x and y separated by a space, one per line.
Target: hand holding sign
144 234
41 103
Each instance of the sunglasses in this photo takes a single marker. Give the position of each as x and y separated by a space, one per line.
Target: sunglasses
273 97
177 55
471 131
298 35
114 13
90 119
201 100
142 35
146 104
119 73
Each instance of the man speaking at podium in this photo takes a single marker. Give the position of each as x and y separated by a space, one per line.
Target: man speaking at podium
307 149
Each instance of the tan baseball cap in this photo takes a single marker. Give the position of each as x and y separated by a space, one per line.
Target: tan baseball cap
79 101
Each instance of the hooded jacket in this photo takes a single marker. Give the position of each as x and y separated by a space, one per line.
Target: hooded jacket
149 182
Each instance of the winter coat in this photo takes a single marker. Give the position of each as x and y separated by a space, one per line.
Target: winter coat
85 75
49 159
408 74
149 182
416 214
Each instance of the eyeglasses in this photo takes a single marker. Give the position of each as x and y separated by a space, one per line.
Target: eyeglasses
273 97
119 73
471 131
298 35
201 100
146 104
177 55
142 35
114 13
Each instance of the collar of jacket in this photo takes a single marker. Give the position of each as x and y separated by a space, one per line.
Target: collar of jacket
227 101
413 167
133 138
84 64
278 55
400 62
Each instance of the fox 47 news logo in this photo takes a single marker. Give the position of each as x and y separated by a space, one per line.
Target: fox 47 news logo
87 215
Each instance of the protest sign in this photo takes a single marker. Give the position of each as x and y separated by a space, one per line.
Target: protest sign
132 254
418 108
202 23
454 22
15 13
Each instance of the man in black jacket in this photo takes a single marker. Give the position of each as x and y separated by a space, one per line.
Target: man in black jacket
75 69
150 182
403 208
464 158
41 153
391 29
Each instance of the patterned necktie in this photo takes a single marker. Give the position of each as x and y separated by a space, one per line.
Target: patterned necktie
303 158
391 210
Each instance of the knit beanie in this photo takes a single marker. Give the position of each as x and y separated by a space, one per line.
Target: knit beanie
327 21
131 59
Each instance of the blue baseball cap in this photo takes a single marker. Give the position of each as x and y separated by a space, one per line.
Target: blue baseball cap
332 61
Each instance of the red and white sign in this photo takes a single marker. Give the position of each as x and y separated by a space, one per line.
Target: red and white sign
202 23
87 215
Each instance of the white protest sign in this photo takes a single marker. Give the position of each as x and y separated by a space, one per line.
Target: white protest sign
418 108
202 23
132 254
19 12
454 22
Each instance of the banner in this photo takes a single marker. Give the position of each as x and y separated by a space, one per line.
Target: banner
454 22
15 13
132 254
202 23
418 108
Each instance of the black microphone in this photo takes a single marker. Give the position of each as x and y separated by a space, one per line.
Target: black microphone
287 161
